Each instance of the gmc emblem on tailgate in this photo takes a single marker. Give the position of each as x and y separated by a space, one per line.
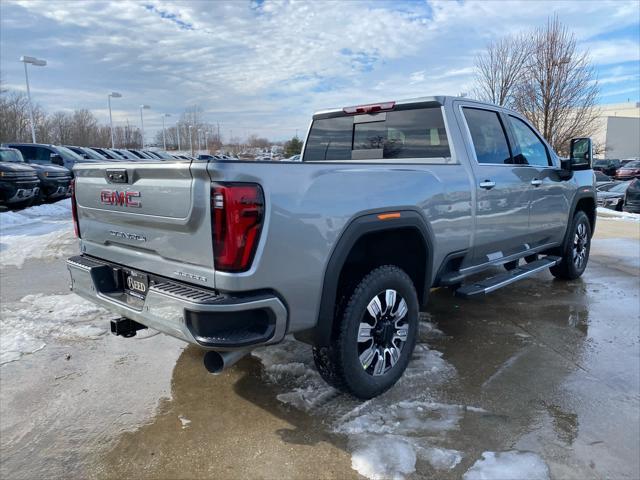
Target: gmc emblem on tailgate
120 199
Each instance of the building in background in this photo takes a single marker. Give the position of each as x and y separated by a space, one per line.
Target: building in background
618 136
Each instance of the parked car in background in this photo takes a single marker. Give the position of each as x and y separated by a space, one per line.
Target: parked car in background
126 154
161 154
108 154
293 158
607 166
629 170
87 152
180 156
611 195
140 154
19 183
601 178
632 197
44 154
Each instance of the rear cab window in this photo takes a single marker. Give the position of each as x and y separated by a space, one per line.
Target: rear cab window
407 133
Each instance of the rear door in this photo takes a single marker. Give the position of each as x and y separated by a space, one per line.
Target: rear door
150 216
502 187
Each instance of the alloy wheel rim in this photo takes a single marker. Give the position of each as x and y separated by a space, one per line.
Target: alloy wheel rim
580 245
382 332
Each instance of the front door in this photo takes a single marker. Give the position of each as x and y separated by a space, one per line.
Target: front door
549 193
502 194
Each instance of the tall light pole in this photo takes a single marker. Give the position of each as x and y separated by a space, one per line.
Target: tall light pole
143 107
109 97
178 133
164 136
198 135
206 144
38 63
191 138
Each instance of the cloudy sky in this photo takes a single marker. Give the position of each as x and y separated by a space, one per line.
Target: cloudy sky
264 66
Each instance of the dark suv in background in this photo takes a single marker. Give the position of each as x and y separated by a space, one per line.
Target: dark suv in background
55 180
19 184
43 154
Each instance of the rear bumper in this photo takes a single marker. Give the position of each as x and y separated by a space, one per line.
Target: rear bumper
204 317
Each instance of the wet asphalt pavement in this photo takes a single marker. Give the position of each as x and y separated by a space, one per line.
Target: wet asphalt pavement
541 366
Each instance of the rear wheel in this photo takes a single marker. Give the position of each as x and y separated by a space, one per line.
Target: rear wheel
375 337
575 251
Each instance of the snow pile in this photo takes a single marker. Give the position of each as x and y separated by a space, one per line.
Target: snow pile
615 215
45 231
511 465
386 435
59 210
26 325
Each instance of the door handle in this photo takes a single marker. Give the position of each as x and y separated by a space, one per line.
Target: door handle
536 183
487 184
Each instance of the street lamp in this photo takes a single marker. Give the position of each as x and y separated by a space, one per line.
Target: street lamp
178 133
38 63
206 144
164 136
109 97
199 132
191 138
143 107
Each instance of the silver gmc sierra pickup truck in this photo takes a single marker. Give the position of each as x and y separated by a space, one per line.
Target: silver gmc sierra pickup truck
342 249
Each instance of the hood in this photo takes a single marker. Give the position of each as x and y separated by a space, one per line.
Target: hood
49 168
610 194
15 167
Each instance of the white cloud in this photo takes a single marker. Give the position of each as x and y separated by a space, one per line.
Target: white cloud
267 66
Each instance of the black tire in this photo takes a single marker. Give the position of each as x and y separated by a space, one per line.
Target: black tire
341 363
577 243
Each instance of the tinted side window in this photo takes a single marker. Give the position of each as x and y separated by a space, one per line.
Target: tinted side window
489 138
531 148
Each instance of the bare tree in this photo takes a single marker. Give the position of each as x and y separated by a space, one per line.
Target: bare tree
499 69
559 90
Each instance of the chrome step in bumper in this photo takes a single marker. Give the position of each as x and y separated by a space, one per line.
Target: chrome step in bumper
208 318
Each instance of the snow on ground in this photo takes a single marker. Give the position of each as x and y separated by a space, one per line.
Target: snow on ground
511 465
25 326
388 434
44 231
614 215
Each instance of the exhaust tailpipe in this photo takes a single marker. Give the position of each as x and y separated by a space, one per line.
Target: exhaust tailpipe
216 362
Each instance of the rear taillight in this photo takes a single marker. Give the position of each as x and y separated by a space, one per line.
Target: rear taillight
237 212
74 208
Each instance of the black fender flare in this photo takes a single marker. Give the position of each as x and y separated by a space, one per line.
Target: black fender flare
358 227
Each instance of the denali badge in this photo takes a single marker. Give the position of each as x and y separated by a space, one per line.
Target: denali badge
128 236
121 199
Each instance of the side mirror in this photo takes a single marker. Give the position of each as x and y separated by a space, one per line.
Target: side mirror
57 159
581 154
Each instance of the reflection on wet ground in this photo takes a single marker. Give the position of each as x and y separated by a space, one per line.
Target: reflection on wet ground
547 371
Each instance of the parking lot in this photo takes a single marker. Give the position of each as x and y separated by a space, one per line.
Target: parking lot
540 380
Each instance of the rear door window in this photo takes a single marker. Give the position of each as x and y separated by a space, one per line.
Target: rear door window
402 134
488 136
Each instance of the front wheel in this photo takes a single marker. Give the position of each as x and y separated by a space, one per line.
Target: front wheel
575 251
376 335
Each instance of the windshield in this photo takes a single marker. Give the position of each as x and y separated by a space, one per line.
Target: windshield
69 153
412 133
615 187
634 164
11 156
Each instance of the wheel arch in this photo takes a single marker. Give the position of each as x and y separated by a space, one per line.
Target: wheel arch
357 230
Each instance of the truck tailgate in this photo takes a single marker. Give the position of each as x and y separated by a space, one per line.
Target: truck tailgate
150 216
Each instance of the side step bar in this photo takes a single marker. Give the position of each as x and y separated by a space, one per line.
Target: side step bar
490 284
